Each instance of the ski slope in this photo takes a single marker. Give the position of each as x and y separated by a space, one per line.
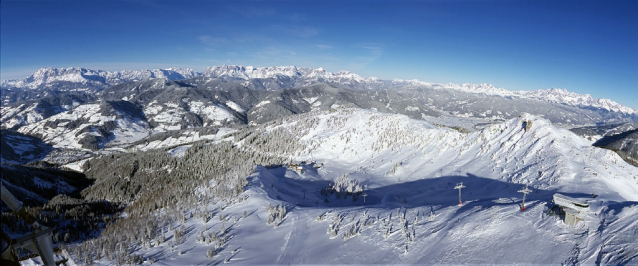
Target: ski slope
408 169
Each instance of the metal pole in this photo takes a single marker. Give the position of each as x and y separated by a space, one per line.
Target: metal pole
459 186
524 191
10 200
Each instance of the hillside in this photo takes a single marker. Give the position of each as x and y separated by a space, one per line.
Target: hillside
625 144
407 170
127 113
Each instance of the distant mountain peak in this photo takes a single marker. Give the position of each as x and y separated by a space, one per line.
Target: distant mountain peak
553 95
563 96
95 78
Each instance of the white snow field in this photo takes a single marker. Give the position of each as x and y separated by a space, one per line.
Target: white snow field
407 169
87 116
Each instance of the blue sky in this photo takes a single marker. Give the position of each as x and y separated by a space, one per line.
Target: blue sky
582 46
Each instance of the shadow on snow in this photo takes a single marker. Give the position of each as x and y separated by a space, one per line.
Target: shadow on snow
428 191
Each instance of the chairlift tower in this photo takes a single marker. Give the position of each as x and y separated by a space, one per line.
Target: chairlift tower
459 186
524 191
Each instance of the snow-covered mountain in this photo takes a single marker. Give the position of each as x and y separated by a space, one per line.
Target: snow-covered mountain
91 126
48 77
407 169
563 96
273 78
234 95
553 95
625 144
168 107
59 81
291 77
319 74
20 149
361 170
287 77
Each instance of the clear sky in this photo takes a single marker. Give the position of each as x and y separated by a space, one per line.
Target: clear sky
583 46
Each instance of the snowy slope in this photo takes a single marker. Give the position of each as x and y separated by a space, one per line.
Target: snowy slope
89 125
20 115
515 155
408 169
186 137
19 148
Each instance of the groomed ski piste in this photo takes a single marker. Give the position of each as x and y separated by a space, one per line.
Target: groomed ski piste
406 171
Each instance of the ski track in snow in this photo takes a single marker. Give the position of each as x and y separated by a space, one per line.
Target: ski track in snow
285 249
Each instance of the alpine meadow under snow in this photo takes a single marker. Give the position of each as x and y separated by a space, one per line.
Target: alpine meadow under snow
287 165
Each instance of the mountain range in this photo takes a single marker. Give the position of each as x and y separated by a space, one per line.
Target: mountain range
76 108
270 78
